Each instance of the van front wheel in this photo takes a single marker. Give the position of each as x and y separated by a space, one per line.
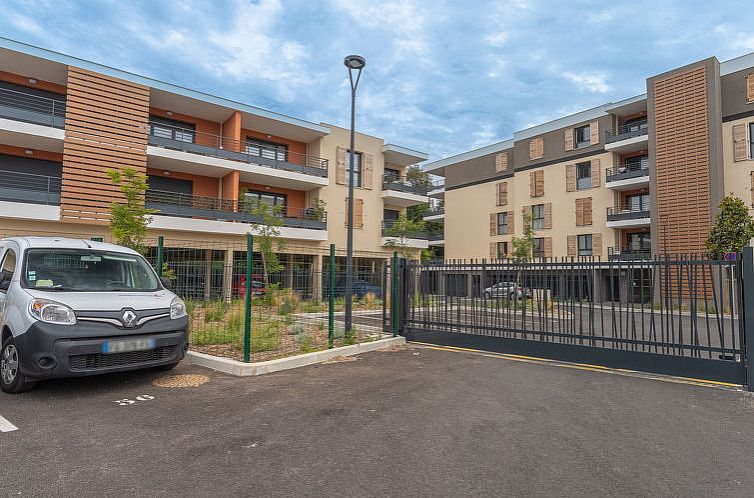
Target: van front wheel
11 378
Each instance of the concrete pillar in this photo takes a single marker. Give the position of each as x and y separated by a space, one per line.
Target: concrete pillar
207 274
228 275
316 277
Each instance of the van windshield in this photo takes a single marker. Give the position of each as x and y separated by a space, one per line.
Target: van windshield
80 270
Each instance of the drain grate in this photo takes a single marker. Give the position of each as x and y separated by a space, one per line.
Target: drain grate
186 380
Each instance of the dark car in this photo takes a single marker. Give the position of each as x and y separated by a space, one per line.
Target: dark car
360 289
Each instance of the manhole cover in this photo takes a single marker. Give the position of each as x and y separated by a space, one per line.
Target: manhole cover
181 381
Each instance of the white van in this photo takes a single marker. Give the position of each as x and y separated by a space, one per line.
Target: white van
73 307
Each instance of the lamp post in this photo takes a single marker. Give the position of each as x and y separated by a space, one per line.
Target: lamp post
353 63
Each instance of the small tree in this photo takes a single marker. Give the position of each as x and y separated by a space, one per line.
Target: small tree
417 177
522 247
267 234
733 228
403 229
129 221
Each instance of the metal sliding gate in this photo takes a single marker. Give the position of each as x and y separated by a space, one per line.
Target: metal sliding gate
686 316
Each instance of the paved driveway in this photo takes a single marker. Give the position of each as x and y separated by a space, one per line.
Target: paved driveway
416 422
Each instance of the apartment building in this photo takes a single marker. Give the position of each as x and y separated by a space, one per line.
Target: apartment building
208 160
625 180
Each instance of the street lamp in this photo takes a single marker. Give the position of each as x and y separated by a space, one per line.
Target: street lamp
353 63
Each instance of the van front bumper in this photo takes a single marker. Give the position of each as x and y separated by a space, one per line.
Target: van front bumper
49 351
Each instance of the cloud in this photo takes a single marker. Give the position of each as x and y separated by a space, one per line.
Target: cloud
588 81
497 39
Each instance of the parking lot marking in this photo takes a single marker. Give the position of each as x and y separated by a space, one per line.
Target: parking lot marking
6 426
585 366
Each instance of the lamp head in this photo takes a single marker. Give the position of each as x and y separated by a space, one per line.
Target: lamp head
355 62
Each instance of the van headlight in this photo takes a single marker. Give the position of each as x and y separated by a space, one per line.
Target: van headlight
177 308
48 311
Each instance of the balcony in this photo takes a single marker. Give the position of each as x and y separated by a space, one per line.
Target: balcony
627 216
195 152
30 196
392 236
628 137
436 238
628 176
403 193
210 214
642 252
436 213
437 189
31 121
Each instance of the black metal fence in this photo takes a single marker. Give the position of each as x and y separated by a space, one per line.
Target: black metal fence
672 315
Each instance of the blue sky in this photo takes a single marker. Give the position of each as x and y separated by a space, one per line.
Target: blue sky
442 77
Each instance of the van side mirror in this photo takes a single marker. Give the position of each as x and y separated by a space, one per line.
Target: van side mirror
166 282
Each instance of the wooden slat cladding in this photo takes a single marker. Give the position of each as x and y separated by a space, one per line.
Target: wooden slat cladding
682 159
106 128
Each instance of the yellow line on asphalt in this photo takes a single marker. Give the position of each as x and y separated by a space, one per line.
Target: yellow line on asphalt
583 366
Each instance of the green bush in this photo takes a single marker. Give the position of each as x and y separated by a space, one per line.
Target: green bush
215 311
296 329
265 336
305 341
350 337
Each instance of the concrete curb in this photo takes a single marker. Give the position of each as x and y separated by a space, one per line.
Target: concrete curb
241 369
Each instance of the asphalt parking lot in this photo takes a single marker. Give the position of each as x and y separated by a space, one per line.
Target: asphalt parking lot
413 422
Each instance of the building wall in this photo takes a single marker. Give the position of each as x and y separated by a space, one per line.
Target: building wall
467 212
738 174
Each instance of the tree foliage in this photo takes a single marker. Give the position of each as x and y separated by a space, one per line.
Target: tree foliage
522 247
733 228
416 176
402 230
129 221
267 235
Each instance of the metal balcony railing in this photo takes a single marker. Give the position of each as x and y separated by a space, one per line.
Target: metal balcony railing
389 229
628 130
390 182
435 211
629 253
629 212
197 206
627 171
435 236
207 144
30 108
29 188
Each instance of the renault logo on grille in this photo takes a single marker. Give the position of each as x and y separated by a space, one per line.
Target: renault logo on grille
128 318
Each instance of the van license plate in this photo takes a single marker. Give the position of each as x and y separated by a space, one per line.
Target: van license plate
128 345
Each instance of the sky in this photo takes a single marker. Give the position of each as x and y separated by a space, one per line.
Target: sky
442 77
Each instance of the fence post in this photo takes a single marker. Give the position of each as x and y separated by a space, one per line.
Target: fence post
747 309
394 294
160 254
331 299
247 303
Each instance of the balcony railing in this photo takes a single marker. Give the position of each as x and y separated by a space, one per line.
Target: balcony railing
435 211
390 182
29 188
627 171
30 108
630 253
628 212
625 131
212 208
389 229
435 236
207 144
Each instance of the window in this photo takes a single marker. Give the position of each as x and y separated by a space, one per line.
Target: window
583 176
582 136
391 175
268 150
502 223
276 202
8 268
585 245
171 129
538 217
502 250
637 202
356 168
538 248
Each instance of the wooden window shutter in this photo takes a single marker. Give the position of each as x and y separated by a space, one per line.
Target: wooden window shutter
493 223
493 250
532 184
569 139
571 246
597 244
340 166
501 162
579 212
750 88
511 224
570 177
548 215
540 183
526 211
502 194
596 173
740 142
751 187
587 210
367 171
594 132
547 247
358 213
536 148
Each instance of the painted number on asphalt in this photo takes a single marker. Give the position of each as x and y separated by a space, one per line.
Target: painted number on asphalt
128 401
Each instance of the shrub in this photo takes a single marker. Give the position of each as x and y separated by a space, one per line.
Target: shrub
305 341
265 336
289 304
215 311
296 329
370 300
349 337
